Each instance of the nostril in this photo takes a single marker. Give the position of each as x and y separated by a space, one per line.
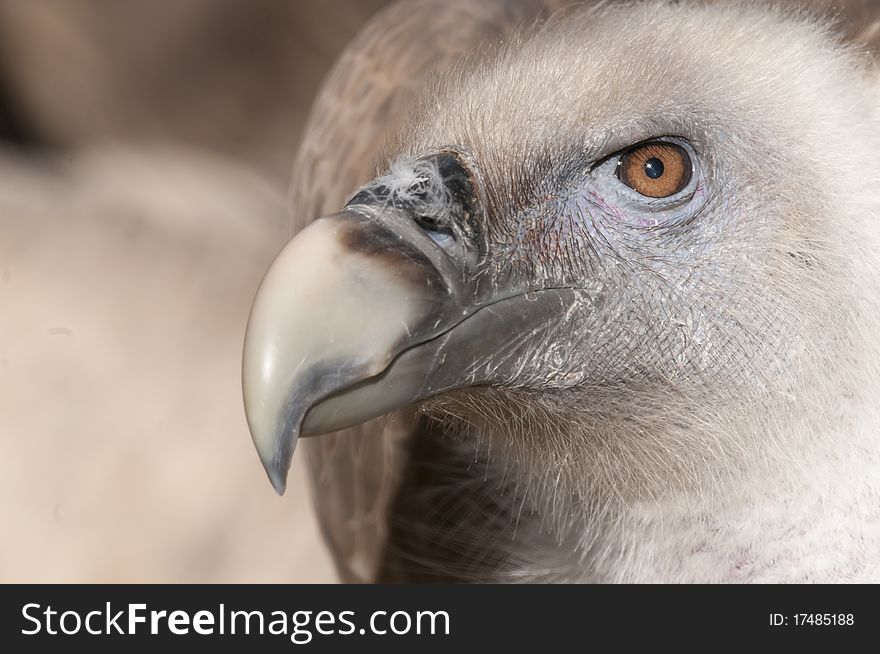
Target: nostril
436 191
442 239
438 228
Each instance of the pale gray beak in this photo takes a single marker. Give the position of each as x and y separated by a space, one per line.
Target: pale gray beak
372 309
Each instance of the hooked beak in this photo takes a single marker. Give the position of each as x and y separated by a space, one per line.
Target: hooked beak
369 310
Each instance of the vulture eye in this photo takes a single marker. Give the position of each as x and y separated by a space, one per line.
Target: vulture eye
656 170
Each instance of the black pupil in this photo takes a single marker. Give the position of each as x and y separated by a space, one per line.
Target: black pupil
654 168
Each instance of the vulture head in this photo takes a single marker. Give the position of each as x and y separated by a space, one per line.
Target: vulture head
627 256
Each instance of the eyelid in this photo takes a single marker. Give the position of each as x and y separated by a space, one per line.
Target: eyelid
619 152
598 163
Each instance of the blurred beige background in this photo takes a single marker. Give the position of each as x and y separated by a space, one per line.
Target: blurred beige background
145 151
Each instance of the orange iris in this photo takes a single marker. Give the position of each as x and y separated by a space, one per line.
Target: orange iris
656 170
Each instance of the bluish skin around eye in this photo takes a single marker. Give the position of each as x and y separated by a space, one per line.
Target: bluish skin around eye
602 191
600 204
595 209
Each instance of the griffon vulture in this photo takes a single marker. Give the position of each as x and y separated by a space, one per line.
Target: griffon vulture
615 281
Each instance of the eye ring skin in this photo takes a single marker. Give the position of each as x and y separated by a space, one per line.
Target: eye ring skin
609 196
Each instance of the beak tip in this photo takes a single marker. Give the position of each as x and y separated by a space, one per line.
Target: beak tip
279 483
276 464
277 476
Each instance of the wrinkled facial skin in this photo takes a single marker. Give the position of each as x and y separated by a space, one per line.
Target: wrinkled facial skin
659 294
705 290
